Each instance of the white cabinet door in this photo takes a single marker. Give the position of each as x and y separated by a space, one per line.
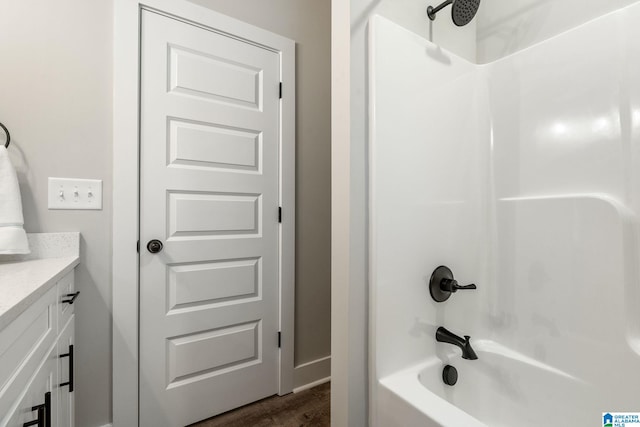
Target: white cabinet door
209 301
25 346
65 380
40 394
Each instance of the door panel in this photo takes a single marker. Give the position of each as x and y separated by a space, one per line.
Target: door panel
201 353
213 283
209 76
209 191
213 214
211 146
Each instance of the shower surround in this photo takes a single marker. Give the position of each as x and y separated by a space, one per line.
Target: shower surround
522 175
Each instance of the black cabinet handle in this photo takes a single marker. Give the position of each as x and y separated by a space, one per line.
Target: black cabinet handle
70 356
44 413
47 408
71 298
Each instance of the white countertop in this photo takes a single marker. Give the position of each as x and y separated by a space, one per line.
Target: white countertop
24 280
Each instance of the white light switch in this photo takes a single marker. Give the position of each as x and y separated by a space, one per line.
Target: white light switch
68 193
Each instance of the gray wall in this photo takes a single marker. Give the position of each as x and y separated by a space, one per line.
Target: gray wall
308 22
55 97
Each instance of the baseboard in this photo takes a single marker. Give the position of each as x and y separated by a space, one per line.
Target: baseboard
311 374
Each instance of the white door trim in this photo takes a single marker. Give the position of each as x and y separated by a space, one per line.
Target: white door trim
126 188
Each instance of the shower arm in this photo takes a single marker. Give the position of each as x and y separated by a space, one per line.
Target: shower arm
431 11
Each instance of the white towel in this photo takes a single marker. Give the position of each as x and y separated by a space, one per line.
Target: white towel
13 239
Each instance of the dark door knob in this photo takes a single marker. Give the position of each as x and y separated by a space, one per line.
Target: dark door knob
154 246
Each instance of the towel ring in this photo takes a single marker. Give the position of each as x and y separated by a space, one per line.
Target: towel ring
4 128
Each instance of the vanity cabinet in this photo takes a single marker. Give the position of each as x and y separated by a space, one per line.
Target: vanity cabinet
36 361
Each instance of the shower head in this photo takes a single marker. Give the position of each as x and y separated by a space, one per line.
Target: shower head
462 11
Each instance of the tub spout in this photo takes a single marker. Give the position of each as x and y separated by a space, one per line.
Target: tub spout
444 335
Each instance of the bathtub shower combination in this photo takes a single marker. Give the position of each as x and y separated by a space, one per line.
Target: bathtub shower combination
522 176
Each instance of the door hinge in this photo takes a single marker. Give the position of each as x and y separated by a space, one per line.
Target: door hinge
280 90
138 246
279 339
279 213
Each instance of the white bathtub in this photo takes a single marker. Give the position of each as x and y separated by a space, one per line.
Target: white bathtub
498 390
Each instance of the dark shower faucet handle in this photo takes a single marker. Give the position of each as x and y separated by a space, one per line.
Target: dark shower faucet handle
450 285
442 284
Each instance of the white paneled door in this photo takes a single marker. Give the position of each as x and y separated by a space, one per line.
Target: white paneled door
209 194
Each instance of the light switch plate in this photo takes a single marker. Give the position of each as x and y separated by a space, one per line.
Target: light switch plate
70 193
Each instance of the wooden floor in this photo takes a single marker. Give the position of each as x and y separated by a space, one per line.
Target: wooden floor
309 408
